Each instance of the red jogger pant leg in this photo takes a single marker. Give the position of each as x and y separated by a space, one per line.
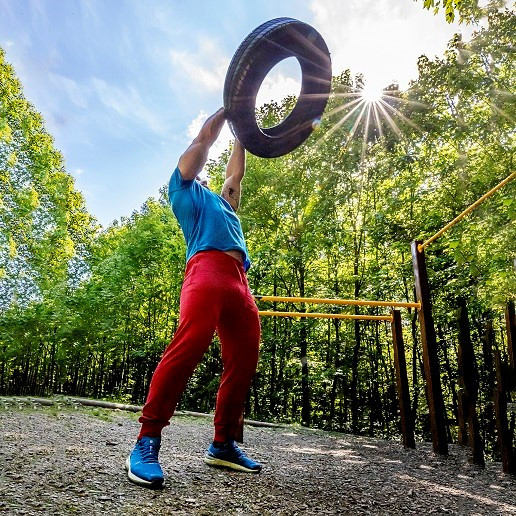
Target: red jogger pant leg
215 296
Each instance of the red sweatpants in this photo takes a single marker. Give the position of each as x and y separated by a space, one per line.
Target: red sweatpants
215 296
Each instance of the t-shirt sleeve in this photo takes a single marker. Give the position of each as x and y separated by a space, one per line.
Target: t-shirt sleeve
178 183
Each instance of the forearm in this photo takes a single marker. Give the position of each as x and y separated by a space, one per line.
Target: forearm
235 170
236 164
194 158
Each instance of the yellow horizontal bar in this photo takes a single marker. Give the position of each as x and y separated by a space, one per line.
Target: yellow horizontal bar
420 247
355 302
327 316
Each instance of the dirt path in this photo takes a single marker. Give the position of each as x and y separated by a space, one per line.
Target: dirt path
70 461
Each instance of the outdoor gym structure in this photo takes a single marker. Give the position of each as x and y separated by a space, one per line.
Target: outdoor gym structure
505 374
402 386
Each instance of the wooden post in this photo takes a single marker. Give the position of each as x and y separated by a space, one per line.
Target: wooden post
407 418
510 321
488 340
462 363
487 362
462 415
430 358
239 437
502 424
468 394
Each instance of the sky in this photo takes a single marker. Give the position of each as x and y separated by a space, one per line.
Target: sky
124 85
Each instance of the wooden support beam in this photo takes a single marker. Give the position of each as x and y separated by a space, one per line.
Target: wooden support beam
469 428
510 321
407 418
462 416
462 396
239 437
430 358
488 343
502 423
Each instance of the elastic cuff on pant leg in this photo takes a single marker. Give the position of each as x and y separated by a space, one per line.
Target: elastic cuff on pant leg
144 433
151 429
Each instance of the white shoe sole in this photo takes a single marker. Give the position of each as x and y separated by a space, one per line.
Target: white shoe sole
138 480
218 463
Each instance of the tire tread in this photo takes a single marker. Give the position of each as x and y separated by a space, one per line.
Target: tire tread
258 54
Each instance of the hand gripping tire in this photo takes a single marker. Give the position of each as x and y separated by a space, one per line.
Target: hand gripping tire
266 46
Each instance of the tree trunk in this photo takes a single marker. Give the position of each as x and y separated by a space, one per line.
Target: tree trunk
358 337
354 377
272 385
305 407
303 337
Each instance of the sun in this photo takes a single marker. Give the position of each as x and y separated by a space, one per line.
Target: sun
370 110
371 94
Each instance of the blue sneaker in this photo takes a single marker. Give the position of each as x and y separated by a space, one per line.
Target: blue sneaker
229 455
142 465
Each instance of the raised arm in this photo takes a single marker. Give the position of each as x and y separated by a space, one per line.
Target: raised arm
235 171
194 158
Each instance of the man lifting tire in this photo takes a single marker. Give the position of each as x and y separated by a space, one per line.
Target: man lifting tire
215 296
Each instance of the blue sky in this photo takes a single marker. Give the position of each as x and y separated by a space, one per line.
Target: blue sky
124 85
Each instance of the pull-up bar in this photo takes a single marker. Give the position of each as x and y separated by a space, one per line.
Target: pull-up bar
354 302
420 247
327 316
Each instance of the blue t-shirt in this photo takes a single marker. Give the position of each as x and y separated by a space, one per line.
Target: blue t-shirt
206 219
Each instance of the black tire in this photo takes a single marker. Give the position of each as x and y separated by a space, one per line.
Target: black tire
266 46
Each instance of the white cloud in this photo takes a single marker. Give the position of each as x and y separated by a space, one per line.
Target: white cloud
156 17
78 95
276 88
388 40
205 69
89 13
39 15
78 171
208 79
127 103
281 81
196 124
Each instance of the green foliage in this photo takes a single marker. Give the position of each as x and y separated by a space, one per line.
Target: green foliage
44 225
468 10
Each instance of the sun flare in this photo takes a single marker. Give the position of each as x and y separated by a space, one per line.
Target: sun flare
371 94
368 112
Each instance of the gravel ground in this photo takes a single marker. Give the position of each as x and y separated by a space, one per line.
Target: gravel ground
65 460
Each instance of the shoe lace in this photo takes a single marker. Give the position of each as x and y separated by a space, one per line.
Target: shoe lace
238 451
149 451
